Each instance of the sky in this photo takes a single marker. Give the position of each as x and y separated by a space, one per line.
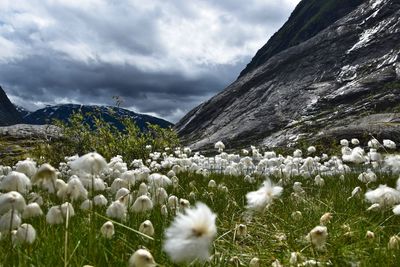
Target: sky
160 57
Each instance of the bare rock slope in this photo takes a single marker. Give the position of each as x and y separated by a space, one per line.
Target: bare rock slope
329 84
8 113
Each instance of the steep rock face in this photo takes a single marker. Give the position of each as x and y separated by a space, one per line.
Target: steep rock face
308 18
8 113
347 71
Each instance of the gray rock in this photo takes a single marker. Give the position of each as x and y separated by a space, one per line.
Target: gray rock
323 85
28 131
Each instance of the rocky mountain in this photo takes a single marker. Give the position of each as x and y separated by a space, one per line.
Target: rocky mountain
108 113
339 79
22 111
8 113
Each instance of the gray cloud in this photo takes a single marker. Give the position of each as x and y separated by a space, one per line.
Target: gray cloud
161 57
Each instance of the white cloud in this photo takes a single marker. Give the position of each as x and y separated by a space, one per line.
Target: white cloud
190 39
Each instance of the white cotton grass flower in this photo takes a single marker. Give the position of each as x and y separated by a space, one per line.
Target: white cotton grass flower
32 210
394 242
156 180
326 218
98 184
46 173
117 210
173 202
142 258
190 235
62 189
344 142
122 192
254 262
276 263
373 143
12 201
164 210
27 166
296 215
142 204
389 144
297 188
107 230
35 198
319 181
212 184
16 181
355 155
294 258
355 141
392 163
86 205
57 214
396 210
118 184
367 177
370 235
91 163
129 177
374 207
100 201
297 153
184 204
356 192
263 197
385 196
143 190
317 236
75 189
146 228
311 150
220 146
10 220
161 196
25 234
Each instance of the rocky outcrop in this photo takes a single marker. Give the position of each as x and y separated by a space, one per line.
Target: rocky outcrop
26 131
8 113
344 73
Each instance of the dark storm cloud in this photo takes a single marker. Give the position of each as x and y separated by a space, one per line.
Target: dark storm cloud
161 57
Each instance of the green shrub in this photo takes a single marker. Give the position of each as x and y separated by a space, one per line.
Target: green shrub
79 137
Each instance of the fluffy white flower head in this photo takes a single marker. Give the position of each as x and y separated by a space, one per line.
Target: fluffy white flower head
190 235
92 163
318 236
220 146
142 258
263 197
389 144
384 195
12 200
16 181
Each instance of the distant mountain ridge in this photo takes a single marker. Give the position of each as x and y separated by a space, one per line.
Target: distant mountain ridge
110 114
8 113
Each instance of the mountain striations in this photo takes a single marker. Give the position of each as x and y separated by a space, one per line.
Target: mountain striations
343 80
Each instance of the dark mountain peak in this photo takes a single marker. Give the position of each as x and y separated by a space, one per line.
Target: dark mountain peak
8 113
308 18
110 114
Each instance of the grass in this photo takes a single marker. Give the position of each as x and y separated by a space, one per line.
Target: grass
271 235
